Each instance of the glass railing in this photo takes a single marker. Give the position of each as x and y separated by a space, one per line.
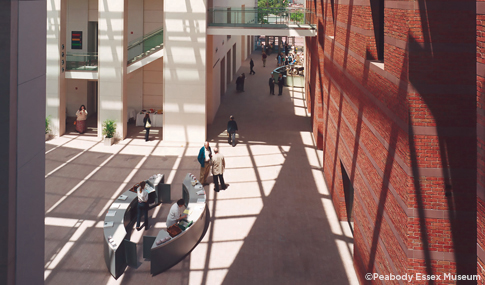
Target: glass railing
261 17
82 61
145 45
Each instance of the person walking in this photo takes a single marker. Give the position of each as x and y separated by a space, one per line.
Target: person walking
271 84
204 158
279 59
80 122
232 130
147 124
218 165
264 56
251 66
142 205
280 84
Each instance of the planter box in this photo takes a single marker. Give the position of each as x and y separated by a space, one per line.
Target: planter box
108 141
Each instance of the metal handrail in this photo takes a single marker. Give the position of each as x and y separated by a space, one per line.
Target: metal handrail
82 61
143 38
145 45
227 16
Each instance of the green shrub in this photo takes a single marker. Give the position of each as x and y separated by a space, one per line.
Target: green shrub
47 124
109 128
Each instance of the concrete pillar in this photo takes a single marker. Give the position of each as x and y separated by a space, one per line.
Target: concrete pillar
55 66
184 69
22 146
112 58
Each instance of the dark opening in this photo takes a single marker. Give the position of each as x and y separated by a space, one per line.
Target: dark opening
234 60
377 7
223 76
349 196
228 69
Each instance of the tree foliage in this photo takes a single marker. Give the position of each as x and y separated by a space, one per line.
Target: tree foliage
266 7
273 3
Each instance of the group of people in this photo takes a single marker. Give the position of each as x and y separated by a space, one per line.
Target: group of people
281 83
176 211
289 59
216 160
207 159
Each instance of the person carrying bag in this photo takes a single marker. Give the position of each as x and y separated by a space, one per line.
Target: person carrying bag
148 125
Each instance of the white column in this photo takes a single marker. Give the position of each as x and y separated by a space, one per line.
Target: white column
184 70
22 143
112 57
55 63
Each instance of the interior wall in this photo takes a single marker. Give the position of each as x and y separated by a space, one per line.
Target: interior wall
153 85
76 95
93 10
214 100
77 20
135 22
152 15
91 98
134 91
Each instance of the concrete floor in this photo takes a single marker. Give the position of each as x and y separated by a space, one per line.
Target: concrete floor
275 224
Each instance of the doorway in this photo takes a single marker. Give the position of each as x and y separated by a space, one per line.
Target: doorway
223 73
92 37
234 60
228 56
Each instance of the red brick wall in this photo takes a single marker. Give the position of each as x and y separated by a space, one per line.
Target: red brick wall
405 134
481 139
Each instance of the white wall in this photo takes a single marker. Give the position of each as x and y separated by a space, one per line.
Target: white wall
135 20
112 58
214 99
76 95
153 85
134 91
77 20
152 15
93 10
55 79
184 64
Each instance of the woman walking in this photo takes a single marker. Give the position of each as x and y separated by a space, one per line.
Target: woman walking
80 123
147 124
142 208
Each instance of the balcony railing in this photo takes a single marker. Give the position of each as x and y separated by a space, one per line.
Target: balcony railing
261 17
82 61
143 46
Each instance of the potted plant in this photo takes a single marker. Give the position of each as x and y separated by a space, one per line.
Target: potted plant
109 129
47 127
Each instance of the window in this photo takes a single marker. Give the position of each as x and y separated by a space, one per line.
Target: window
377 7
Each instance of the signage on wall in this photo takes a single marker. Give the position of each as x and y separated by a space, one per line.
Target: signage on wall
76 40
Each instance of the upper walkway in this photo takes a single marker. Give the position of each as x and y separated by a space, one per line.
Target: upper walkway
258 21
